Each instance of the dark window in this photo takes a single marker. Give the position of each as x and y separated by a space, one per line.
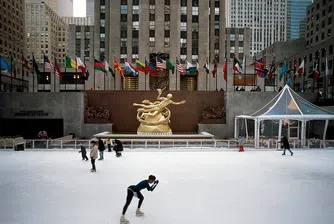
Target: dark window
135 17
102 15
194 35
167 17
183 51
323 24
329 21
135 33
123 50
124 2
135 2
331 49
167 33
124 17
323 52
195 19
322 36
216 46
316 39
167 2
124 34
323 13
152 33
183 18
102 30
103 2
195 51
152 2
184 34
329 9
216 17
195 3
102 44
135 50
183 2
216 32
310 57
317 17
152 17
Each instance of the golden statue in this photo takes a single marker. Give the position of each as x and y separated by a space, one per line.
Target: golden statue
155 117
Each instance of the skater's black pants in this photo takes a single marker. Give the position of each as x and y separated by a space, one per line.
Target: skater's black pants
129 198
93 163
84 157
286 149
109 147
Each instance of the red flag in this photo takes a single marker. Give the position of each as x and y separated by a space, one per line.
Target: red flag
225 70
57 70
117 67
214 71
14 72
301 68
316 73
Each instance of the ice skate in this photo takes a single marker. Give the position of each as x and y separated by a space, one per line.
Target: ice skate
123 220
139 213
292 154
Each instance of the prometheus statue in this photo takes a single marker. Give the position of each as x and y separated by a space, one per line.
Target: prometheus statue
154 117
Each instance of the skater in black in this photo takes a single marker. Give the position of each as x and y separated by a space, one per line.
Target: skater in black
83 152
134 190
118 148
101 149
286 145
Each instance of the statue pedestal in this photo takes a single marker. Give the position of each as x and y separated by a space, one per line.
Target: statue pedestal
162 129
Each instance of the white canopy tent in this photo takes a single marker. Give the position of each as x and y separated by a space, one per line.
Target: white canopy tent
287 105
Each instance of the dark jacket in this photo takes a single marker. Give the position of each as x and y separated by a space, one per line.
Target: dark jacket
83 150
101 145
285 142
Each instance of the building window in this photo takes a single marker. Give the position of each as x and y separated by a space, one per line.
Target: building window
167 33
152 17
152 42
167 17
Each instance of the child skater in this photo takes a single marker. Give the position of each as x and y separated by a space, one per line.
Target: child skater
241 144
93 155
134 190
118 148
83 152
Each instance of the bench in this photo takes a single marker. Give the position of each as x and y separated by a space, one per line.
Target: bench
16 143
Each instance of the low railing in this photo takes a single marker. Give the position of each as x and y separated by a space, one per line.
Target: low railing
167 143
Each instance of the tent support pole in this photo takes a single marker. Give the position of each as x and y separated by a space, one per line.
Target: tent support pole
325 132
255 133
303 137
235 128
279 133
246 127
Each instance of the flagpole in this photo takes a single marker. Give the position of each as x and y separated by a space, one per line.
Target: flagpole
43 68
66 77
175 74
325 84
33 74
104 77
22 72
226 74
85 73
76 66
216 75
206 76
145 73
245 73
11 72
54 74
1 74
94 73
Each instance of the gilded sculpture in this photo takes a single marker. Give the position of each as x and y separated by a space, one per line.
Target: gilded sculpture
154 117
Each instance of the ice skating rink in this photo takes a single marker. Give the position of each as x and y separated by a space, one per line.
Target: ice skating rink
195 187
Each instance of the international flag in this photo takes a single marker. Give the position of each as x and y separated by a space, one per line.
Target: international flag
284 69
206 67
150 68
214 71
301 68
130 68
118 67
316 73
161 63
225 70
191 68
272 69
236 65
47 63
107 68
140 66
70 63
4 65
179 67
170 66
26 64
57 70
259 66
81 66
99 66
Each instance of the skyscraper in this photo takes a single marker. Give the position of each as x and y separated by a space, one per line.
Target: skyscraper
65 8
90 9
187 30
296 18
267 20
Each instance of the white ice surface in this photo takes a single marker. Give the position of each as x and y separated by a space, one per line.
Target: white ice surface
195 188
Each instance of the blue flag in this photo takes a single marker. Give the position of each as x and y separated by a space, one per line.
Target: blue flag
5 66
283 71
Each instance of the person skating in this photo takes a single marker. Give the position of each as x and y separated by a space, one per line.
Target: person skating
134 190
93 155
83 152
101 149
241 144
118 148
286 145
109 145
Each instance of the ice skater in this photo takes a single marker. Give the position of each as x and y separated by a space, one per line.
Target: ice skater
286 145
109 144
134 190
241 144
93 155
83 152
118 148
101 149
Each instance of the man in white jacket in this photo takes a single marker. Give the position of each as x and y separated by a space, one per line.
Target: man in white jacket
93 155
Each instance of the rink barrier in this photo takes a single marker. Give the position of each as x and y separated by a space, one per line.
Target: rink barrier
168 143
